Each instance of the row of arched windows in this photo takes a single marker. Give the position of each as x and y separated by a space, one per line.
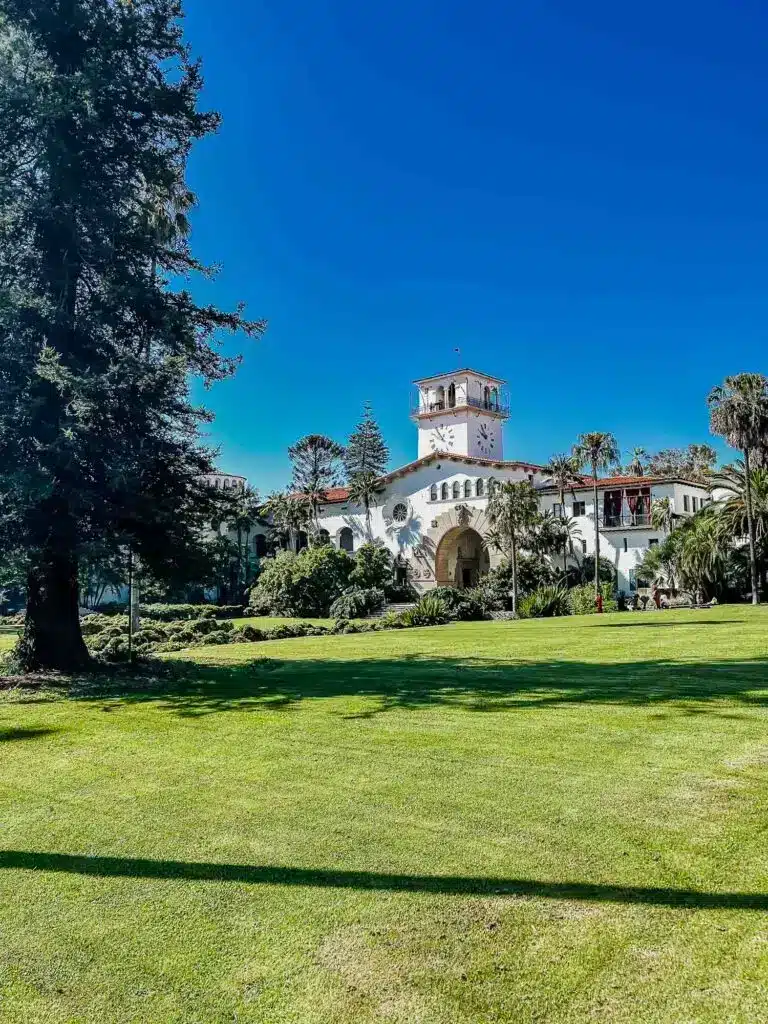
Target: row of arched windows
490 398
455 490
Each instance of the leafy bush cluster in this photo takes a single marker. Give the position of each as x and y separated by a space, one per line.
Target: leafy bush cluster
544 603
357 603
463 605
172 612
303 584
326 580
112 640
431 610
582 599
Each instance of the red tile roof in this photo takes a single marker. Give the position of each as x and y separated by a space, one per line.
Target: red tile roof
588 482
337 494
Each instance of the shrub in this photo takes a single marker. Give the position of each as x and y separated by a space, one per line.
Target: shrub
392 620
450 596
401 593
582 599
288 630
303 584
469 609
111 608
372 568
174 612
356 603
91 624
544 603
462 605
250 633
430 611
584 572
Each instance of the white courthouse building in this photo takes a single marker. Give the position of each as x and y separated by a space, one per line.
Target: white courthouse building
431 513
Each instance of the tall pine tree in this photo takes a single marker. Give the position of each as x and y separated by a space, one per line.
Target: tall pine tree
315 459
99 438
365 459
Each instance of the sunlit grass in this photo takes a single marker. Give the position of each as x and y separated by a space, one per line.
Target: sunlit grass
551 821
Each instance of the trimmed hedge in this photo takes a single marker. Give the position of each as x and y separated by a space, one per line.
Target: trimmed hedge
172 612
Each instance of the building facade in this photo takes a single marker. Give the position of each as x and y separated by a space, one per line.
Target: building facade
432 513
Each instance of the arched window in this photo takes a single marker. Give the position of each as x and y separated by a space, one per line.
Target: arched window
433 492
440 397
260 545
451 395
444 492
479 489
346 539
467 488
486 397
456 489
325 537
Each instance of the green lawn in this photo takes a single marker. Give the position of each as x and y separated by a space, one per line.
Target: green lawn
544 821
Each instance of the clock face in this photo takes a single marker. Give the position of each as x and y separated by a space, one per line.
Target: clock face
485 440
441 439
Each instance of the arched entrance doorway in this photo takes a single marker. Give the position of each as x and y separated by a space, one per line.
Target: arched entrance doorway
461 558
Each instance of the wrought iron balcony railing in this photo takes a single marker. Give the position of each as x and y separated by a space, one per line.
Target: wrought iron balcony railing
498 408
626 519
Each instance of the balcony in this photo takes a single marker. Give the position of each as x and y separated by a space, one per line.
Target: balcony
626 521
498 408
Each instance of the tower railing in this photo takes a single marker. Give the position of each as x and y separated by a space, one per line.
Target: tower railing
500 407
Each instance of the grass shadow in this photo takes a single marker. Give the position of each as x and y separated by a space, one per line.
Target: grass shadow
419 681
12 734
458 885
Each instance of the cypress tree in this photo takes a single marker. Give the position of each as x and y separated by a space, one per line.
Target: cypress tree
99 438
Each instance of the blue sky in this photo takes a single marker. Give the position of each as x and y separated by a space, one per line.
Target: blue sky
573 194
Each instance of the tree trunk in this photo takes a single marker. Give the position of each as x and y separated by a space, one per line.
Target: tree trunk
565 539
135 596
514 576
52 638
368 519
751 530
597 535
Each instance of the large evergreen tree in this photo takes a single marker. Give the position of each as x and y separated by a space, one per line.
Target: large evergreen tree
316 467
365 459
99 439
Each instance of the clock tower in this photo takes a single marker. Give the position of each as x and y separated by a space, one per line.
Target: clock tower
461 413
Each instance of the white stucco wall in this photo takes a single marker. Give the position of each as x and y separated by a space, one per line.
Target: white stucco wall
622 545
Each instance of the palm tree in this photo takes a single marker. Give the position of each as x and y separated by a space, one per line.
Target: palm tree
662 516
363 488
637 460
703 553
244 516
564 473
600 452
731 511
289 515
571 531
512 511
738 412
